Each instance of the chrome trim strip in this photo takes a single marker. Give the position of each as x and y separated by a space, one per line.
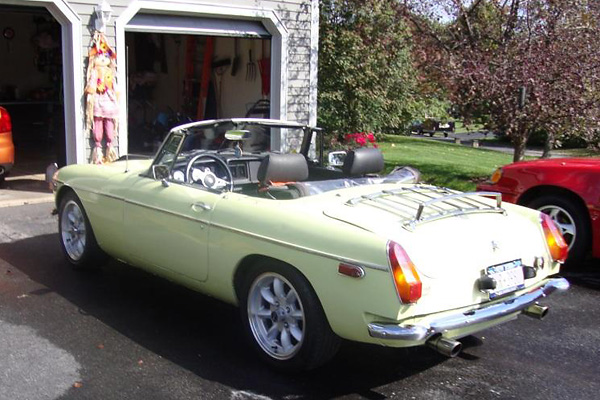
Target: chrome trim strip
461 320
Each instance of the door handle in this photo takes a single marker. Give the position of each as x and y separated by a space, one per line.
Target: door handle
201 206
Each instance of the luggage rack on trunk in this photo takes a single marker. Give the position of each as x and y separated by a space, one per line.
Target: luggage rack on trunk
424 203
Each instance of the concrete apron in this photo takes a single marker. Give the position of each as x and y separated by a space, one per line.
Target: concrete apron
25 189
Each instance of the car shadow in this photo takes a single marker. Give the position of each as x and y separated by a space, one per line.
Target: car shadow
586 274
202 334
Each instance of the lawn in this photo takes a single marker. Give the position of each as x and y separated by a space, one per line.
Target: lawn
444 164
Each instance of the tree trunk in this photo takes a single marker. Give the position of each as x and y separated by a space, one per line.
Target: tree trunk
520 146
548 145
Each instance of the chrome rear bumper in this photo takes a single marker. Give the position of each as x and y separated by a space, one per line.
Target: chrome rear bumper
462 320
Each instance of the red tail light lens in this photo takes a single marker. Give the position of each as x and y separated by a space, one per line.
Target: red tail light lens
407 281
5 124
556 243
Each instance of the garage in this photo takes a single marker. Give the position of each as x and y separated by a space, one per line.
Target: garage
184 68
31 85
175 60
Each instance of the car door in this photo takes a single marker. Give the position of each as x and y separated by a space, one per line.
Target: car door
167 224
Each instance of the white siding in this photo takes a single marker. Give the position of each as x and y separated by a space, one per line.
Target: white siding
295 16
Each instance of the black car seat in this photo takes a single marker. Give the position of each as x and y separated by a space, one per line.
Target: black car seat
363 161
276 171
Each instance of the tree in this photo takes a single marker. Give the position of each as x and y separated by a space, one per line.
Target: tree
489 53
366 78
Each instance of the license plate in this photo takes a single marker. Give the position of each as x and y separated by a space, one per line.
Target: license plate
508 277
444 126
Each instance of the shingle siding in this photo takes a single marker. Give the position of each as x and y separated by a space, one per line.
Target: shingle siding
295 15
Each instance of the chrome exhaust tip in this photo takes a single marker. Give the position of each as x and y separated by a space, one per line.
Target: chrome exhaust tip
536 311
447 347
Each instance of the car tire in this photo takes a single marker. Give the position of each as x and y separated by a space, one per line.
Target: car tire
570 219
77 239
283 318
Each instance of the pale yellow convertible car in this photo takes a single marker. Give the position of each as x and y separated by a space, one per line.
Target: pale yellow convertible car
312 253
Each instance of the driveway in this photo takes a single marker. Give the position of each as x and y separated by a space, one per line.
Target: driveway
120 333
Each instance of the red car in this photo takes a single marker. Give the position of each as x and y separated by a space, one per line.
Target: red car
567 189
7 149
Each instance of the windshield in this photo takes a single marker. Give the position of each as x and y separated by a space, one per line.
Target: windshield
261 138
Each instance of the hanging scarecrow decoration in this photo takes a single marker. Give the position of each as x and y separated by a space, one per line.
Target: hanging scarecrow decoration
102 108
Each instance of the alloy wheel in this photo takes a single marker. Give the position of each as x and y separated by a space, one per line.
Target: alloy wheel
276 316
73 231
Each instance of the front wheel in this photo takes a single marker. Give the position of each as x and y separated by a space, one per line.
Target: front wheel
76 236
284 319
570 219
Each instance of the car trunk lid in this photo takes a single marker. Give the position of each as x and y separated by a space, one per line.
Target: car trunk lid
452 238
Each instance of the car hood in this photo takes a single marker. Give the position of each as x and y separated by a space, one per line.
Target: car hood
559 162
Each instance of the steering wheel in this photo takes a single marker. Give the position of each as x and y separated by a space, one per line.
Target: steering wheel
205 176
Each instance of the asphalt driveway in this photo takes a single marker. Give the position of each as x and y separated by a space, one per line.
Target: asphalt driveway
120 333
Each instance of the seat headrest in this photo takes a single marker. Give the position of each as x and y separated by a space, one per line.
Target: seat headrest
283 168
365 160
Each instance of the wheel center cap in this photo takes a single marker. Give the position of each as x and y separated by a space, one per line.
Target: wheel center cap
278 315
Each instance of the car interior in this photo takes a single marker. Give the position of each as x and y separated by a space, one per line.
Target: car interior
238 158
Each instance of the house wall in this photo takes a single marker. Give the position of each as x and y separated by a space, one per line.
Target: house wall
296 16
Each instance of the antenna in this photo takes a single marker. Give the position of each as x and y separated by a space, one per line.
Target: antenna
127 162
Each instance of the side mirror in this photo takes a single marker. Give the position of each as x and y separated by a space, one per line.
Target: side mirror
336 158
160 172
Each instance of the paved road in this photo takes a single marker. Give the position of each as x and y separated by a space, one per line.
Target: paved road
467 138
120 333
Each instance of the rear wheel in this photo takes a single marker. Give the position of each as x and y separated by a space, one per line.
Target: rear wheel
570 219
76 236
284 319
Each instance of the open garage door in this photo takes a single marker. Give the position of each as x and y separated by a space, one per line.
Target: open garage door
31 86
183 68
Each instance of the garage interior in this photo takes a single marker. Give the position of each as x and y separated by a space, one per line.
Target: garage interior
31 86
174 78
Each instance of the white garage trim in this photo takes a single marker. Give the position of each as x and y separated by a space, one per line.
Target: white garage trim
181 24
72 73
314 63
268 18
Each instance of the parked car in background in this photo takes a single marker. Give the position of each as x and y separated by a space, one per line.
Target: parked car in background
430 126
7 149
312 253
567 189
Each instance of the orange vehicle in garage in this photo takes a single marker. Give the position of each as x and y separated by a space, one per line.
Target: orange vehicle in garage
7 149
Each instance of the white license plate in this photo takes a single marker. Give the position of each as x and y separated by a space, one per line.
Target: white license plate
508 277
444 126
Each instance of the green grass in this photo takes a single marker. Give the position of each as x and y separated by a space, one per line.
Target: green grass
444 164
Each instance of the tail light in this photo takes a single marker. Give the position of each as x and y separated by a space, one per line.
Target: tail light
556 243
5 124
407 281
